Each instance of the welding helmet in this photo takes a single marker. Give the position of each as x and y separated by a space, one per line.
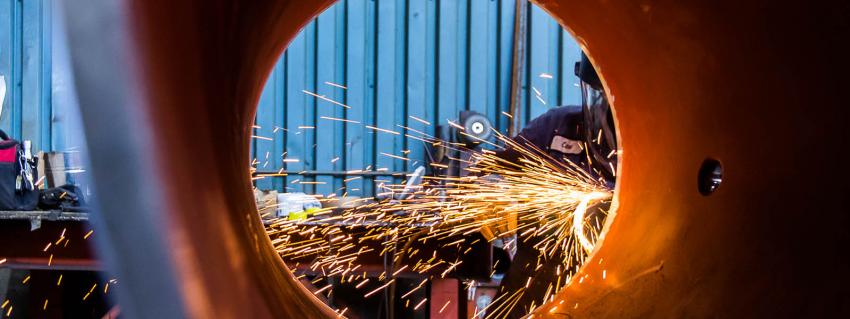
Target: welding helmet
600 136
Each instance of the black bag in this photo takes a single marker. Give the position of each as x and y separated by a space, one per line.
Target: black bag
66 198
18 176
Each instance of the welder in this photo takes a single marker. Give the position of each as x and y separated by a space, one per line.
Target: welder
583 135
565 131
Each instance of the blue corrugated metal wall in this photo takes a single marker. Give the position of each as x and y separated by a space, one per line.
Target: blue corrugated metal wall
429 59
25 62
40 104
398 58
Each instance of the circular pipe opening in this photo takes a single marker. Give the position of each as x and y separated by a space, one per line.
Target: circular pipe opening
675 45
528 271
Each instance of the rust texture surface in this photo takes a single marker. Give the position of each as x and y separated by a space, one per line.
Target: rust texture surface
757 85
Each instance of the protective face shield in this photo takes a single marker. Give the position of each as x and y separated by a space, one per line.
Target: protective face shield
599 133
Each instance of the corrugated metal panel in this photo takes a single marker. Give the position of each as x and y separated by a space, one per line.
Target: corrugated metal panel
26 62
399 58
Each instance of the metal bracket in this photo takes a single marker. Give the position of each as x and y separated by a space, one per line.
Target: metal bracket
35 224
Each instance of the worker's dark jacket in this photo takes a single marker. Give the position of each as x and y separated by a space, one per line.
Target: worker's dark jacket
556 132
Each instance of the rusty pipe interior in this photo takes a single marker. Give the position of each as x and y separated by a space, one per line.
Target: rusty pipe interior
755 85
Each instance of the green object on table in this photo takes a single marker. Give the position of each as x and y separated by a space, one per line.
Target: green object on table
298 215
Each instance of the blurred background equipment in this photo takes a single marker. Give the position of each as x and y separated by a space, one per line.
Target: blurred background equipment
471 130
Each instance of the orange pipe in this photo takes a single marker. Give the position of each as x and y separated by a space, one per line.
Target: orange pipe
754 84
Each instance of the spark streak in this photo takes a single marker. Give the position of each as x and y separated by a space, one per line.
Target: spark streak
322 97
379 288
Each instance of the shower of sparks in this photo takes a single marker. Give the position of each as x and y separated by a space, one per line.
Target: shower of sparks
537 197
60 243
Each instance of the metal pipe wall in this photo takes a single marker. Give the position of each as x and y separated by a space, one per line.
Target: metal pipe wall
716 79
689 80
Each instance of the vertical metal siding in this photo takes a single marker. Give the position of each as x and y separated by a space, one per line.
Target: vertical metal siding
25 62
429 59
417 77
398 58
359 89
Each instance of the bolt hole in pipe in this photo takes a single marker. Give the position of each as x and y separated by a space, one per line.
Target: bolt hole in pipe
710 176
